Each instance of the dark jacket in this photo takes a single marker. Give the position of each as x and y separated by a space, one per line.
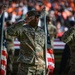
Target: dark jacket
69 38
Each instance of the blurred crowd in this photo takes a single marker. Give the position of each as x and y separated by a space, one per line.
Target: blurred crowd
61 11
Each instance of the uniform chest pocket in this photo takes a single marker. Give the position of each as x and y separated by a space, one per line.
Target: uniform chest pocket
40 39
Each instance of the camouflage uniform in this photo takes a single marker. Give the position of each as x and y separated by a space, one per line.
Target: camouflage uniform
10 50
52 32
31 56
69 38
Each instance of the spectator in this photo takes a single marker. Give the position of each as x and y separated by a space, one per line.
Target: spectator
60 30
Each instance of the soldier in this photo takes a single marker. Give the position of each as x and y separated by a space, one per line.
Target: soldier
32 41
10 50
51 30
69 38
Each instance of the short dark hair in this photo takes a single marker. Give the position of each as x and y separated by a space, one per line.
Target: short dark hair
48 18
72 23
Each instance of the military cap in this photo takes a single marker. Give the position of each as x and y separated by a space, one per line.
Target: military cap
33 13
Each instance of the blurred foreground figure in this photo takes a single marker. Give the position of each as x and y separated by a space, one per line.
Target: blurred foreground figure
69 38
64 67
10 50
32 42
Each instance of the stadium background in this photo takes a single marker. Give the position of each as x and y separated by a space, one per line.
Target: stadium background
62 12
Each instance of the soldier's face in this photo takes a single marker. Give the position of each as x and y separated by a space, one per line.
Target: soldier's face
34 21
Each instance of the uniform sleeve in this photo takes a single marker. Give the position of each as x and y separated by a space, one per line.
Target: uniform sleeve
68 35
13 30
55 32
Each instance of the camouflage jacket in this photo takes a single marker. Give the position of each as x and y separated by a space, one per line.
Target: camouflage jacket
69 38
9 41
32 41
